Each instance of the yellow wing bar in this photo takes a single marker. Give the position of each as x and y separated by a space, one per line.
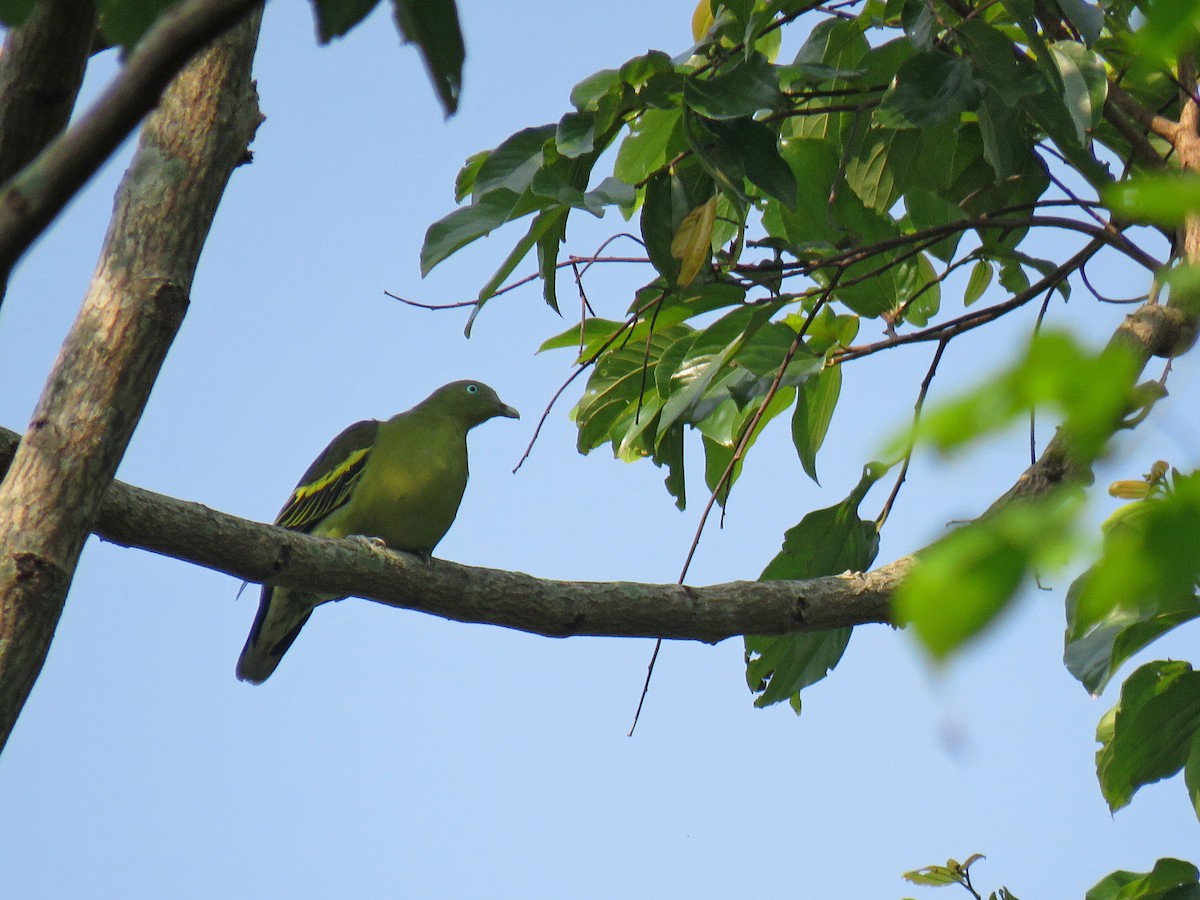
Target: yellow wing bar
311 502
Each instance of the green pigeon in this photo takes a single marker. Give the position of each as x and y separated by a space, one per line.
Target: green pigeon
398 481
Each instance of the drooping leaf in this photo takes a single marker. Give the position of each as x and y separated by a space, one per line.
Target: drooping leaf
1085 83
816 400
433 26
978 282
825 542
336 17
692 243
468 223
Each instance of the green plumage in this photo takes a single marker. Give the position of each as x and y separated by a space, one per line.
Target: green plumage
400 481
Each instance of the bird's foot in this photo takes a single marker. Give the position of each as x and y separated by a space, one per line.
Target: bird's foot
368 541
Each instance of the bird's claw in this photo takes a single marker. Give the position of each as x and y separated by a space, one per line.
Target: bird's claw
368 541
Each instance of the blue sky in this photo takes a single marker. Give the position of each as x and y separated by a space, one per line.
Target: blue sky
394 754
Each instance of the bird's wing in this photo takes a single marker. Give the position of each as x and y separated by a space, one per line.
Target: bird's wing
330 480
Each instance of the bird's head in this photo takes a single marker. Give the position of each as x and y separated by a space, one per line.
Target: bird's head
471 402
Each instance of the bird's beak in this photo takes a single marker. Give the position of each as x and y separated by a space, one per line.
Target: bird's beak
507 411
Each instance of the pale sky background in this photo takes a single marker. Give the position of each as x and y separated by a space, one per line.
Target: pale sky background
397 755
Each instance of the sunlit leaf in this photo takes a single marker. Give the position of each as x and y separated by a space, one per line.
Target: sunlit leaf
980 279
692 243
965 580
1166 199
1170 879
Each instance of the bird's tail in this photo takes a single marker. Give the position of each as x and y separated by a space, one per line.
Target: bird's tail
281 615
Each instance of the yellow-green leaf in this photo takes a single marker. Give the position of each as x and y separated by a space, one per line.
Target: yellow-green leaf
692 244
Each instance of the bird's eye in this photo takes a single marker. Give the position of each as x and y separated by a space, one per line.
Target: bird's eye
472 389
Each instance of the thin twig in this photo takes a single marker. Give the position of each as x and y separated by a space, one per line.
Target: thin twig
971 320
908 452
739 451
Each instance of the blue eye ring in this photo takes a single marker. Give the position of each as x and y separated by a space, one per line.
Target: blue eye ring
472 389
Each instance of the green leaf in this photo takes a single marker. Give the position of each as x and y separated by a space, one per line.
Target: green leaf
825 542
692 243
576 134
1171 879
586 95
1191 776
467 223
620 389
878 171
514 162
1100 649
723 429
928 210
964 581
1088 18
991 54
655 138
757 148
123 22
1142 585
464 182
15 12
433 26
1148 736
1085 84
779 667
700 361
591 330
929 89
1092 391
981 278
668 198
925 296
746 87
1162 198
544 222
816 400
336 17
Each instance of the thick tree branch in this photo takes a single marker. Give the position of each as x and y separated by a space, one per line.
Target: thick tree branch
1156 124
100 383
131 516
36 194
41 69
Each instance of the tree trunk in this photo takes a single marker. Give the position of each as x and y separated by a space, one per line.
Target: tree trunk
107 366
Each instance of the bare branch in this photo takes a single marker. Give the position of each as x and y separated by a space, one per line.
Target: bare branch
41 69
